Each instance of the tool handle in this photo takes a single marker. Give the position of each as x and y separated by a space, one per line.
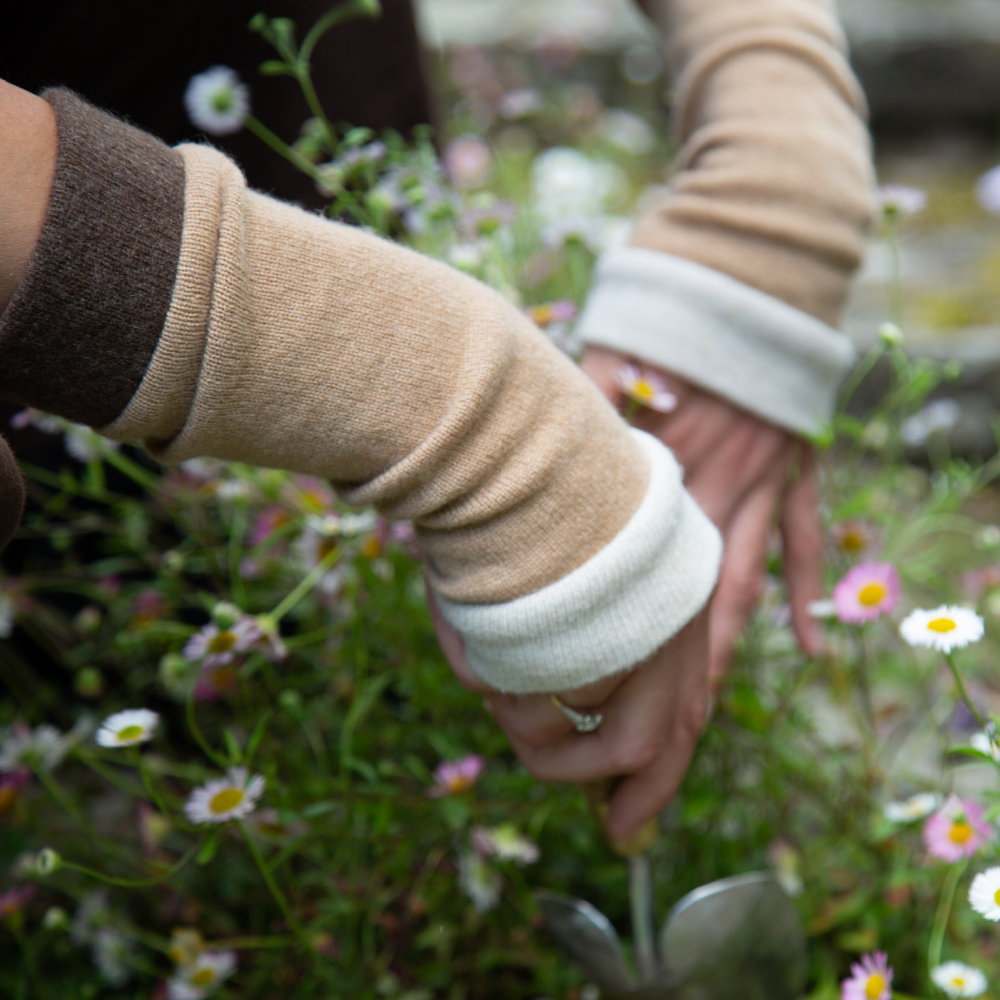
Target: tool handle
598 795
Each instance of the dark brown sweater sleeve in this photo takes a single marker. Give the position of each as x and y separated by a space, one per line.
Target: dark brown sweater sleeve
78 334
11 493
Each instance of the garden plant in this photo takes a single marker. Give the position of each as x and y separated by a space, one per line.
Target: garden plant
234 763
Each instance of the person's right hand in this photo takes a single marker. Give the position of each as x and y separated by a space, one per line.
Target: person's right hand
653 715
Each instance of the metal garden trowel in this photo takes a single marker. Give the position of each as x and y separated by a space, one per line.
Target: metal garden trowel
739 938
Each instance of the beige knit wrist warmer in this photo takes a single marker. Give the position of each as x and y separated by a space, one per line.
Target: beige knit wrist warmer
299 343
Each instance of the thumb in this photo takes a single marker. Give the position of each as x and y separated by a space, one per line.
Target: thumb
12 495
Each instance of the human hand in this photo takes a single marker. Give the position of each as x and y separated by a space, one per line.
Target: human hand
741 470
653 715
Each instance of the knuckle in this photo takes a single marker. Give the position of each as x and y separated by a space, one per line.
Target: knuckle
744 588
635 754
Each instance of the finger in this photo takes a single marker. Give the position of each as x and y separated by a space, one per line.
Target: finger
530 719
803 558
645 793
742 572
602 366
738 467
454 649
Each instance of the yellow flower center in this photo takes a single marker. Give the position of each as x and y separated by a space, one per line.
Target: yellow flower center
852 541
960 832
228 798
7 796
541 315
130 733
996 897
875 986
942 625
458 784
221 642
643 390
203 977
958 982
872 594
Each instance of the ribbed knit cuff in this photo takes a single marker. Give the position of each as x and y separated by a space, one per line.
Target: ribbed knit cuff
748 347
613 611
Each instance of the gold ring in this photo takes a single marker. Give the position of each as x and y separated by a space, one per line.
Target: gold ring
583 722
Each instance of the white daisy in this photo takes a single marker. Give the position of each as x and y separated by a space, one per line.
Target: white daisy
915 807
216 101
958 980
901 199
232 797
984 893
128 728
505 843
822 609
945 628
43 747
985 745
202 976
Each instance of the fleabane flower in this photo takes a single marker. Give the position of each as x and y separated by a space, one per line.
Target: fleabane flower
902 200
984 893
479 881
853 537
870 979
451 777
216 101
202 976
945 628
128 728
43 747
909 810
647 389
959 980
957 830
866 592
551 312
215 647
232 797
504 842
986 745
13 900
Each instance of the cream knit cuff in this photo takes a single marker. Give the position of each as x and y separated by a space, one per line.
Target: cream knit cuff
613 611
748 347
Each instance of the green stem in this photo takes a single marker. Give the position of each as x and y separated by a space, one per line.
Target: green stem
281 147
272 618
890 223
131 883
197 734
858 374
148 480
147 781
976 714
268 876
640 884
59 794
942 915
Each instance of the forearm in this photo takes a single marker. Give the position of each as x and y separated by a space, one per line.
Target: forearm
735 279
27 162
242 328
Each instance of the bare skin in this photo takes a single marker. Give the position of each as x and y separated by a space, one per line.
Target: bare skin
27 164
744 473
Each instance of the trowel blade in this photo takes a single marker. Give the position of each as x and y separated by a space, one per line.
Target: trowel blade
739 938
587 938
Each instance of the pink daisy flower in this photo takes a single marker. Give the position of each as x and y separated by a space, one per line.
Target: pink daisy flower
957 830
871 979
216 647
13 900
551 312
456 776
647 389
267 523
866 592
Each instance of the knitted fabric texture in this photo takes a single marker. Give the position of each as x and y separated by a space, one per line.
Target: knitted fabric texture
79 331
615 610
299 343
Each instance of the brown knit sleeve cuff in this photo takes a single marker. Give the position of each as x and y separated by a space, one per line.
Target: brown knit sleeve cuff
82 325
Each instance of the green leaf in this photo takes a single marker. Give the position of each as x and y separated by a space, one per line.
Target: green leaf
232 747
456 812
207 850
318 809
256 736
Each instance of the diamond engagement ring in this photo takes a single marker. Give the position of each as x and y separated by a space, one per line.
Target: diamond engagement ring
582 721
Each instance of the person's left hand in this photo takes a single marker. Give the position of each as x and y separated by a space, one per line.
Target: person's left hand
742 471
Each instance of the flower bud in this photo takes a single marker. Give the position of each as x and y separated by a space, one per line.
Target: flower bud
55 919
47 861
891 335
226 614
291 701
